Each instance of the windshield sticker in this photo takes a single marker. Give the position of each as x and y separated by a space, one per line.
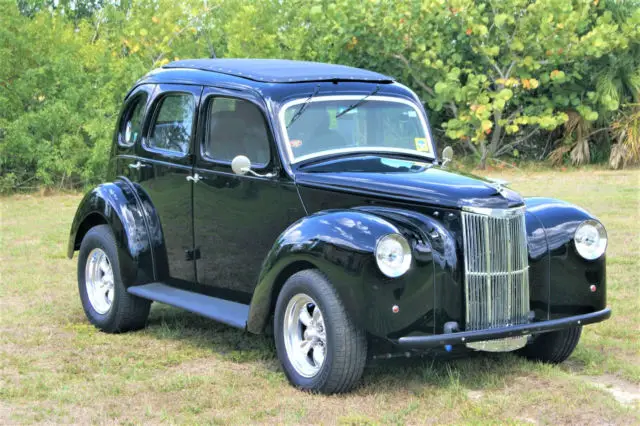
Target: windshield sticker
295 143
422 145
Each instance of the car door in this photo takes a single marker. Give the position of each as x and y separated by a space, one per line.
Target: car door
163 170
237 218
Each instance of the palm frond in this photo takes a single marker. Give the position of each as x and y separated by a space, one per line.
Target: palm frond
626 131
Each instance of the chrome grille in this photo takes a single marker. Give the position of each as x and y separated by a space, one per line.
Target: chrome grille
496 268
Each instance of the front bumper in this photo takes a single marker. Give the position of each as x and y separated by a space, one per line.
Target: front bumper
424 342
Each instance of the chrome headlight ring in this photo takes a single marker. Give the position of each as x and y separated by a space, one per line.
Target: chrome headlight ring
393 255
590 239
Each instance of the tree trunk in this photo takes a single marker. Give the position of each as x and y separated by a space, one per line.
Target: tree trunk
483 157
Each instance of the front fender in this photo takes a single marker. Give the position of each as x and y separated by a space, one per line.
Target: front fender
117 205
560 278
341 244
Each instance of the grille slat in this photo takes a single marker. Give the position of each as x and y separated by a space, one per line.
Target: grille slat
496 268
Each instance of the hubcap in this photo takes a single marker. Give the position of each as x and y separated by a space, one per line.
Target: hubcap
98 277
305 336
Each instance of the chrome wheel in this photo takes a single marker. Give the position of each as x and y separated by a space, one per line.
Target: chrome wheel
98 277
305 336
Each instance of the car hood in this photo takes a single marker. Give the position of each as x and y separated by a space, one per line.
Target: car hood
405 180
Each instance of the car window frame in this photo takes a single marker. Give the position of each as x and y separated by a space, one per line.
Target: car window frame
139 98
204 121
152 117
293 161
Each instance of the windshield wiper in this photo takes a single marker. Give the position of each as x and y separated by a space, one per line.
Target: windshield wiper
303 107
357 104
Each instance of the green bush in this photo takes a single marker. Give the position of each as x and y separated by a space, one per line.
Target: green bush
496 76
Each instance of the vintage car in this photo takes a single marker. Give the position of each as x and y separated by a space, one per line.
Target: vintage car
307 200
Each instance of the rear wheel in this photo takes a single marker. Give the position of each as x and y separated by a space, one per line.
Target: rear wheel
104 297
319 346
553 347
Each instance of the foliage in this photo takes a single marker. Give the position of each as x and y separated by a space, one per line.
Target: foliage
626 130
496 76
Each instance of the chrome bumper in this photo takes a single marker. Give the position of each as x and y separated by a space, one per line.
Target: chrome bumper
424 342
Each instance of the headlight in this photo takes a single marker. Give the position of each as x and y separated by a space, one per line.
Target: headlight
591 239
393 255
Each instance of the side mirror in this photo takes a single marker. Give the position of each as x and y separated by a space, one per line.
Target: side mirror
241 165
447 155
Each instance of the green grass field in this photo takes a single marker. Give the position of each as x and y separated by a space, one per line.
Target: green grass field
56 368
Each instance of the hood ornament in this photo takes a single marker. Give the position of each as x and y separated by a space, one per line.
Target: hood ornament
499 185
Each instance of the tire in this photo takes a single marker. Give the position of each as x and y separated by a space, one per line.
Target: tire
553 347
125 311
345 344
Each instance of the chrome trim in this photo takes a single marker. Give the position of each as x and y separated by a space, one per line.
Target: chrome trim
500 345
293 160
496 268
498 213
305 337
99 281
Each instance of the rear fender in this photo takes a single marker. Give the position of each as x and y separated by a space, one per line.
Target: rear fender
117 205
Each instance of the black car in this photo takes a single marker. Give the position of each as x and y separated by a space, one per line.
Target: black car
308 200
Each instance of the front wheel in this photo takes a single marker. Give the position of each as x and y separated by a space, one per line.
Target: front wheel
104 297
319 346
553 347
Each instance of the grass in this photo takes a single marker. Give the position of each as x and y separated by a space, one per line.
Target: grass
55 367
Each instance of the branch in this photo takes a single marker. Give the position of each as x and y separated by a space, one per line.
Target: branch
496 67
510 69
515 143
420 83
472 147
513 115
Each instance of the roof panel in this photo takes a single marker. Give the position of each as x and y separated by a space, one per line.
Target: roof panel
281 70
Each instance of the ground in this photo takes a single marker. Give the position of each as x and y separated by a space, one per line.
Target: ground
55 367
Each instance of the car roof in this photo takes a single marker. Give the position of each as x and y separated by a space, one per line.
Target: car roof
280 70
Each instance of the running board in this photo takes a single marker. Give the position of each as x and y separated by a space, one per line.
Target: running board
231 313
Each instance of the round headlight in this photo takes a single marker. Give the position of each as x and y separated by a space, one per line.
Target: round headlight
393 255
590 239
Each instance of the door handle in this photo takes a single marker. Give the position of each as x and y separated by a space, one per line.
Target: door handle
195 178
137 165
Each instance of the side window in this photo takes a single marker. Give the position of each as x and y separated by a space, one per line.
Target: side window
236 127
171 130
131 123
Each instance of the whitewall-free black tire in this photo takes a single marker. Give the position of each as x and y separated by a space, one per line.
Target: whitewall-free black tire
319 346
104 297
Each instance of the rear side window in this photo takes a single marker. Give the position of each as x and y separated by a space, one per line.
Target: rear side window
236 127
171 130
131 129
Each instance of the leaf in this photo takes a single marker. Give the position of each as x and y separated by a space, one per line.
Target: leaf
500 19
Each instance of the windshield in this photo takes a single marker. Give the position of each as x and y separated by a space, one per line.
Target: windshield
330 124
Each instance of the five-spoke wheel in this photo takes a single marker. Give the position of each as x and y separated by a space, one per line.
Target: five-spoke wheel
103 294
304 335
98 277
319 346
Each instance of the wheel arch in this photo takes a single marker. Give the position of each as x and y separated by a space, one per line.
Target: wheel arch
93 219
283 276
116 205
341 245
